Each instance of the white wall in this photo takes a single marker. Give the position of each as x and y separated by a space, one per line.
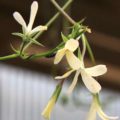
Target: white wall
23 95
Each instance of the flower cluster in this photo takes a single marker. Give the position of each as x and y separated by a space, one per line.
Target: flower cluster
78 66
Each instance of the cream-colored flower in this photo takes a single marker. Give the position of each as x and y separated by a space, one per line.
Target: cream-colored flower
70 46
28 28
88 74
87 77
48 109
96 109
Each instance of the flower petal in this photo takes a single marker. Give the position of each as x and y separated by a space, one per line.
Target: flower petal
65 75
74 82
17 16
38 28
104 116
34 9
72 45
59 55
96 70
73 61
48 109
92 85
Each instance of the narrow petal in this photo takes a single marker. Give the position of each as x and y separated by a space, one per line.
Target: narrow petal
73 61
92 112
96 70
17 16
48 109
65 75
72 45
92 85
59 55
34 9
38 28
104 116
74 82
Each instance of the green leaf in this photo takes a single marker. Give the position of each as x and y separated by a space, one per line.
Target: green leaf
64 38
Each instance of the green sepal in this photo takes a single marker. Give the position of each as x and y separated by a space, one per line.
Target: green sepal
75 31
82 20
64 38
18 34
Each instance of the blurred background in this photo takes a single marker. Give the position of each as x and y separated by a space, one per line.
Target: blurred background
25 86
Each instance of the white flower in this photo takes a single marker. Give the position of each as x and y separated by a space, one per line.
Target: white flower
78 66
70 46
96 108
28 28
87 77
88 74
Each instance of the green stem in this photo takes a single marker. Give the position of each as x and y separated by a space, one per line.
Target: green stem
45 54
84 46
90 52
22 47
63 12
49 23
9 57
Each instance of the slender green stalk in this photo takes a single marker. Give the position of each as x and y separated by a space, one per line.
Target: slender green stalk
84 46
45 54
22 47
90 52
49 23
9 57
63 12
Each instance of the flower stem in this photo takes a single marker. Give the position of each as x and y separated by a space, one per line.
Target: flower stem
49 23
45 54
63 12
9 57
84 46
90 52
